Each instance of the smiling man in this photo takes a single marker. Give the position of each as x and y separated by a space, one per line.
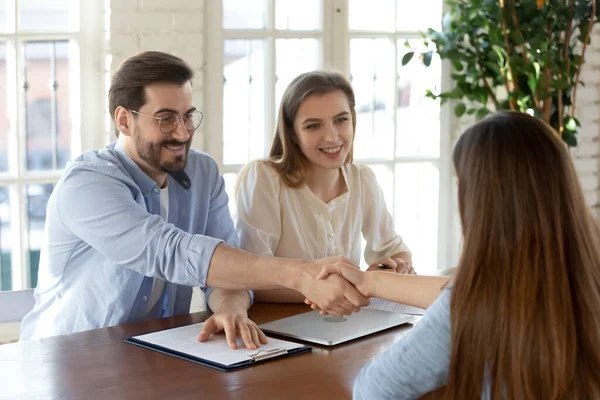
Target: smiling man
131 228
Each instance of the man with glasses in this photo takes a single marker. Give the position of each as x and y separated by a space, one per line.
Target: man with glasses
131 228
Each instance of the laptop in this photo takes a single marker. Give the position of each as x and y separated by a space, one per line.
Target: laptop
327 330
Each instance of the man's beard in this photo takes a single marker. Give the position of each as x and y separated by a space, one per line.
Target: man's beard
150 153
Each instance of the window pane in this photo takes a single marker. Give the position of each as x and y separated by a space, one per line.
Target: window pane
4 11
243 101
416 218
5 240
293 57
47 91
372 71
417 117
298 15
39 15
37 196
244 14
419 15
367 15
3 111
385 179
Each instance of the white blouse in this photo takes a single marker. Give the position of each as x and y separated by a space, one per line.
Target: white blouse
274 219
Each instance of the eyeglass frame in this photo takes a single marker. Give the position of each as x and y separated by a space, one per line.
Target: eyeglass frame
176 124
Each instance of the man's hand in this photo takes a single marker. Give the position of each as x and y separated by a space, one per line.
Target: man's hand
350 274
333 294
233 323
231 316
359 279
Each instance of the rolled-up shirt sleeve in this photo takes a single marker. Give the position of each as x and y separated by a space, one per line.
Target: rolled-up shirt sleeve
220 225
416 364
103 212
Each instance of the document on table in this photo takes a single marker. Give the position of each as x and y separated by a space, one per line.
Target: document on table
181 342
385 305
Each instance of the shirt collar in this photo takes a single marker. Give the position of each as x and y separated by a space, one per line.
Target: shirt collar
143 181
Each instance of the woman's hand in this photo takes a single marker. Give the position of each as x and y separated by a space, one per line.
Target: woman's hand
398 265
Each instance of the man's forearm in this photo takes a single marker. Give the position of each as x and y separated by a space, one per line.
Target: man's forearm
236 269
278 296
229 300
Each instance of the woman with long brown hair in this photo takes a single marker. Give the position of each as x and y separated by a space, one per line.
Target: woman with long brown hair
521 318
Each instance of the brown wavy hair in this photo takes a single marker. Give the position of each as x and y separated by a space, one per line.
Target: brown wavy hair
525 306
285 155
128 84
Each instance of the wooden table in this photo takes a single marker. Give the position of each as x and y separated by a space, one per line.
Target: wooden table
97 364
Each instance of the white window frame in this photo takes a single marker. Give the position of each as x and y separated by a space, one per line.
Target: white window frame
85 108
335 39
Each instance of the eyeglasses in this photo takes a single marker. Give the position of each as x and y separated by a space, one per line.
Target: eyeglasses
169 121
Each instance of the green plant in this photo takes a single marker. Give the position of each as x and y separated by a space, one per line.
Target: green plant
520 55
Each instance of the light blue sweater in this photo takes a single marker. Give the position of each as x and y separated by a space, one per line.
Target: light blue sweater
415 365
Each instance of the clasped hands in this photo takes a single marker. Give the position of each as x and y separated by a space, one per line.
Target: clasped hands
341 288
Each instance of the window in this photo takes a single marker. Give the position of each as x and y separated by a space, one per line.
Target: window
41 46
258 46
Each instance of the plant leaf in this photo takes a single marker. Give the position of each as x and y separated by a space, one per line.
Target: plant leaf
427 58
482 112
569 138
407 57
459 110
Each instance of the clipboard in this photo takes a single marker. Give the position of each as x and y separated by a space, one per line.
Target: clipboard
215 353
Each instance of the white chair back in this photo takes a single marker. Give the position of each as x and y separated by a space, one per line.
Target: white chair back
14 305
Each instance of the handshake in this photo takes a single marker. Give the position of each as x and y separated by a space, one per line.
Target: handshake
341 288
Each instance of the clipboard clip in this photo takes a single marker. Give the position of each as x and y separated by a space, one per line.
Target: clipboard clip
266 354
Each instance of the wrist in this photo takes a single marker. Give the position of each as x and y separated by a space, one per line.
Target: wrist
371 278
298 276
235 304
236 308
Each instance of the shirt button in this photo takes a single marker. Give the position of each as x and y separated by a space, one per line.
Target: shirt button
156 190
145 298
332 235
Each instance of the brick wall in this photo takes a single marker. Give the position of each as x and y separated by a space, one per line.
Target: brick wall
172 26
587 155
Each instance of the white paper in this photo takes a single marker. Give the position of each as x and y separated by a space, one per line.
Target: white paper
216 349
385 305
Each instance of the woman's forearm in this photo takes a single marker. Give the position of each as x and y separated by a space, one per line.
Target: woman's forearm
414 290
